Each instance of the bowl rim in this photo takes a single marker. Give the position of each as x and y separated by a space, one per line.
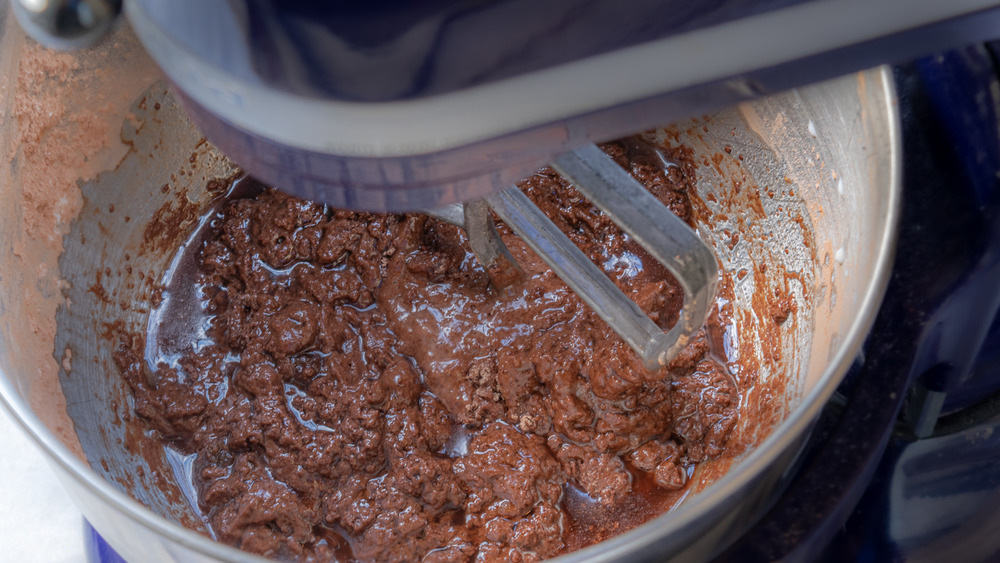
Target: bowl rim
733 482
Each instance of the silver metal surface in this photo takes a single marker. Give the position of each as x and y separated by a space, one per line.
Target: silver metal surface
664 235
580 274
67 24
459 146
454 214
815 200
486 244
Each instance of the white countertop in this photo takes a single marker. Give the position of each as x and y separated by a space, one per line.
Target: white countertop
38 522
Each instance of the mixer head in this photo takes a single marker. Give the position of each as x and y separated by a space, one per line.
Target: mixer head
396 105
67 24
400 105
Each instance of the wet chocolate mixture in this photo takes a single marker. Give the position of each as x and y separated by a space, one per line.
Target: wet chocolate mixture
361 392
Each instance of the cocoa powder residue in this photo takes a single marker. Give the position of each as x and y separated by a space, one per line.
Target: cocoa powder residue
60 120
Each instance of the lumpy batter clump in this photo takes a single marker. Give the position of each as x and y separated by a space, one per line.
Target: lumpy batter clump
364 393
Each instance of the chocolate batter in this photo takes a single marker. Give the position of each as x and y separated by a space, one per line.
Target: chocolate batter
362 392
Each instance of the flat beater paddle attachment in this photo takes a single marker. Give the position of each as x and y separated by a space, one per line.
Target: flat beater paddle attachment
627 202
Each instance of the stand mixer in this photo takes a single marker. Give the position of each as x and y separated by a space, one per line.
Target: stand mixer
399 108
495 127
396 108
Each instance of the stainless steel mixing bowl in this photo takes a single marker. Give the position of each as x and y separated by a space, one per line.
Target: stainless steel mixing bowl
805 183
